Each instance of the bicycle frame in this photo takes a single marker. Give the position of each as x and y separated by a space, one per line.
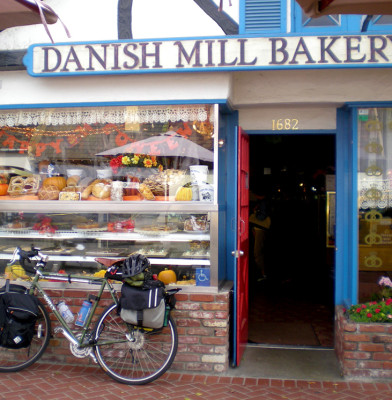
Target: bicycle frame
103 282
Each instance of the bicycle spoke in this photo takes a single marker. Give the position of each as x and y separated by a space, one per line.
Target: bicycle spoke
142 357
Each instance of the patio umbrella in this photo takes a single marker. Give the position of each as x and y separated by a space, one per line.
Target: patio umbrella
169 144
318 8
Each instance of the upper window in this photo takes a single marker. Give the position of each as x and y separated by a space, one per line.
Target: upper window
257 16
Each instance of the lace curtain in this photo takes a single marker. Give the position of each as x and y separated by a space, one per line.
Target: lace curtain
115 115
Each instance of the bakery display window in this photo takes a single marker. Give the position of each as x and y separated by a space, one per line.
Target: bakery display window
152 153
88 182
179 242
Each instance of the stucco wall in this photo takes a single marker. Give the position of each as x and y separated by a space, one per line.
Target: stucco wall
19 88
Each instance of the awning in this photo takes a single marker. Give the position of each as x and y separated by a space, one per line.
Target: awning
318 8
24 12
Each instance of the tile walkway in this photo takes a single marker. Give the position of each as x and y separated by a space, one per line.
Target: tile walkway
52 382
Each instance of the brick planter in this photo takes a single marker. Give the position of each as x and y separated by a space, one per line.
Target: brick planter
364 350
202 322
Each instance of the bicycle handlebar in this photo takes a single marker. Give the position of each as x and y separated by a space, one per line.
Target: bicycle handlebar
27 256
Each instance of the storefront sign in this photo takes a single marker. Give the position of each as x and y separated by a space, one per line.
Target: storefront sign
231 53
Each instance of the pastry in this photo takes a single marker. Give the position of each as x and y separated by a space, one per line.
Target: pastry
73 180
50 192
69 196
19 185
88 225
101 190
146 192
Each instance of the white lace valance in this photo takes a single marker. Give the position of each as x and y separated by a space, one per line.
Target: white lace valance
102 115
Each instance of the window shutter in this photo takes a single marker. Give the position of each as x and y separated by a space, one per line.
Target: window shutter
263 15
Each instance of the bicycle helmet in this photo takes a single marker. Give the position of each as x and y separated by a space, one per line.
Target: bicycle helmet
134 265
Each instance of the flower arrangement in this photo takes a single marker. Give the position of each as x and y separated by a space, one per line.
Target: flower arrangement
379 310
134 160
372 311
386 287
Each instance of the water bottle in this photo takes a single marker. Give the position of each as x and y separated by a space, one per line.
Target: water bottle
65 312
83 313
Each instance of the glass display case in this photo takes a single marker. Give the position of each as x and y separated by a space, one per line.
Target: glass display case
180 240
109 182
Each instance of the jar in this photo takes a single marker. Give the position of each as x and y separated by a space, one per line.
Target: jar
116 192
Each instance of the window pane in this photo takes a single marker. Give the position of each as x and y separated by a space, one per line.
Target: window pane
374 198
327 20
384 20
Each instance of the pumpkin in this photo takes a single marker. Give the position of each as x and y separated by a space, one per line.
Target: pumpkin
167 276
184 194
3 189
59 181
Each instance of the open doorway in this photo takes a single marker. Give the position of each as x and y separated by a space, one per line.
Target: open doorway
291 288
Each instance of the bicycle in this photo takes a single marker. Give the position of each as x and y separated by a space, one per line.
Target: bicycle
127 353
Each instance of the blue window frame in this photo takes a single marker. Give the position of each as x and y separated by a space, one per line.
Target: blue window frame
263 16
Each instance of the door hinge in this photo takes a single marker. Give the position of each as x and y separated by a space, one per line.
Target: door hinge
237 253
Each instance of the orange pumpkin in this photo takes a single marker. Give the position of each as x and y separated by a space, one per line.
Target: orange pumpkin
167 276
3 189
59 181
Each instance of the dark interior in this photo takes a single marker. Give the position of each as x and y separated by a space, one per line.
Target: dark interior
293 305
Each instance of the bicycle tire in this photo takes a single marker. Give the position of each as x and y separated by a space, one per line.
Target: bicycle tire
144 356
13 360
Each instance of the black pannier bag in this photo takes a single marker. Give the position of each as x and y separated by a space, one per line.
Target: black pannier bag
144 308
18 315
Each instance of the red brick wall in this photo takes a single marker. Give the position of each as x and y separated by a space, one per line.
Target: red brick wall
202 322
364 350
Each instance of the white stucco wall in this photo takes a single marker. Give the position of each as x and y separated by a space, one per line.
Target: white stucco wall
334 86
16 87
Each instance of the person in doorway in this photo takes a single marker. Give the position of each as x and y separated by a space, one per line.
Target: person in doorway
260 223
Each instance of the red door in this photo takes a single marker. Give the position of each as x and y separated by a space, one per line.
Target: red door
242 253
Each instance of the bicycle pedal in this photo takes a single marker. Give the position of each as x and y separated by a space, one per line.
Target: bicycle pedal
94 358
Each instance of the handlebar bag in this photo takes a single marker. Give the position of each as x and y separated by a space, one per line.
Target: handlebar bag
18 314
140 307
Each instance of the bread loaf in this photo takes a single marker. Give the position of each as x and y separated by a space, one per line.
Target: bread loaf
101 190
73 180
50 192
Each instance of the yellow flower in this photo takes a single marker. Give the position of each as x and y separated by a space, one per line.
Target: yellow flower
147 163
126 160
135 159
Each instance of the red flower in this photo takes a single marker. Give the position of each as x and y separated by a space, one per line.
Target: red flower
388 302
369 315
377 310
116 163
358 310
364 306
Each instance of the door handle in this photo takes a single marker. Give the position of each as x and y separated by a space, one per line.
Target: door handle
237 253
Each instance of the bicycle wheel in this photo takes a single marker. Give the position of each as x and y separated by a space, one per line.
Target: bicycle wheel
12 360
131 354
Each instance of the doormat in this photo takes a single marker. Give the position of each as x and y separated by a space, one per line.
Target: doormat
285 333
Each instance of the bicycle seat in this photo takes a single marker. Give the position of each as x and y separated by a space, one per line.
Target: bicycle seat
108 262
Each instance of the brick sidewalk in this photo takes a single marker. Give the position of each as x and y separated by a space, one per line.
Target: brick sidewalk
53 382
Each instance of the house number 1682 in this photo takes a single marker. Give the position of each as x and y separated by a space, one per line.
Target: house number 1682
286 124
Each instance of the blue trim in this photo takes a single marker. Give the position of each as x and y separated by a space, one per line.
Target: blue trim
292 133
111 104
353 198
231 160
346 255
